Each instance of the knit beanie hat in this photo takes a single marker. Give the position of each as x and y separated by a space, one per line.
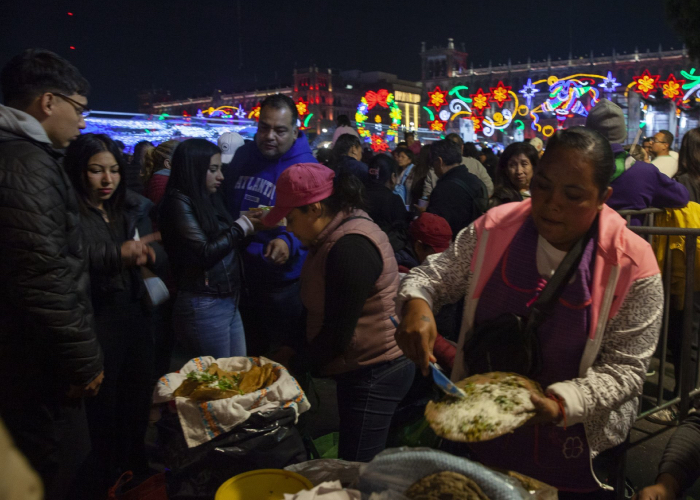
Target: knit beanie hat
607 119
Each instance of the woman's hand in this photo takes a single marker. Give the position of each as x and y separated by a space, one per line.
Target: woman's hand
666 488
547 410
136 253
256 219
416 334
277 251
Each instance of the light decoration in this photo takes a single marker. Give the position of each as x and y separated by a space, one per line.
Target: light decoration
240 113
254 113
645 83
609 83
501 120
477 123
500 94
692 85
437 126
480 100
302 107
528 91
224 112
455 91
373 100
430 112
307 120
444 115
672 88
437 98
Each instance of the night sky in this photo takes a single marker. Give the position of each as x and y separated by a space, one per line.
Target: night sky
192 47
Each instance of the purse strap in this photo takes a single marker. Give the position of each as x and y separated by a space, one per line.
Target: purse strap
543 306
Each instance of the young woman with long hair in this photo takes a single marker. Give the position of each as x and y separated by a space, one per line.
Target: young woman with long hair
203 244
110 217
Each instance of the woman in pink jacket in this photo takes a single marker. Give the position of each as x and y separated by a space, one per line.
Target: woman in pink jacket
597 342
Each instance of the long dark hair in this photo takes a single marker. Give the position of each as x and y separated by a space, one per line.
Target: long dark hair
689 157
188 175
341 148
380 169
76 163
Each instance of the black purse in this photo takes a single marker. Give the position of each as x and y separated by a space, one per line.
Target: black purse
509 343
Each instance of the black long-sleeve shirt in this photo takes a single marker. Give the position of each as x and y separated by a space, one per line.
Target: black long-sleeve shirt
681 457
353 267
459 197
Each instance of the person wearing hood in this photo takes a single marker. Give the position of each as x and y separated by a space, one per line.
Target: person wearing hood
594 343
636 185
49 355
271 305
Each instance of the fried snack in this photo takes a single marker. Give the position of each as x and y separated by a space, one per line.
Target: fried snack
216 383
252 380
271 379
445 486
186 388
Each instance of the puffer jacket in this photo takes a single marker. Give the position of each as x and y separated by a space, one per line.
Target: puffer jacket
200 263
103 248
47 339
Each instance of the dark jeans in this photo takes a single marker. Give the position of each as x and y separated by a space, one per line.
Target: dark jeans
118 415
367 400
54 438
272 317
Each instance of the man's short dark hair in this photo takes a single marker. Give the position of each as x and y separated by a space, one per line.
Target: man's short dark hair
344 143
456 138
279 101
450 152
36 71
668 137
412 134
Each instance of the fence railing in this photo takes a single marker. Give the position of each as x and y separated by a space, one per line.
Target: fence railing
686 375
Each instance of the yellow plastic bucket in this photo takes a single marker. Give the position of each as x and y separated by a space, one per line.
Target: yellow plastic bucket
263 484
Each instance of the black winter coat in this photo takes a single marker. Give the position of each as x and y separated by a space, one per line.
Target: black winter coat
103 247
201 264
47 339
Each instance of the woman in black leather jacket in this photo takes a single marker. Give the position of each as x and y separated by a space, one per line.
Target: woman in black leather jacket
203 244
110 216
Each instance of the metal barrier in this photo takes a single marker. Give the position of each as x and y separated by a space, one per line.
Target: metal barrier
687 378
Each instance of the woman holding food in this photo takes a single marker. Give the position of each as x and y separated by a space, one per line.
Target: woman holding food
203 242
596 343
111 216
348 286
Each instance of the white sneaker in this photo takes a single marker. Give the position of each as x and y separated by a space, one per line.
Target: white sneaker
667 416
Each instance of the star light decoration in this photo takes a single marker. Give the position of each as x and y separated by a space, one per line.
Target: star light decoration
437 98
610 83
240 113
500 94
645 83
672 88
437 125
480 100
528 91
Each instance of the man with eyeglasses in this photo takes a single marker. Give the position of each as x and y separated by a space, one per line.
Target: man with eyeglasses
661 147
49 355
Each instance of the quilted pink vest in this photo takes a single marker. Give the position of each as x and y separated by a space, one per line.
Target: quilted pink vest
373 341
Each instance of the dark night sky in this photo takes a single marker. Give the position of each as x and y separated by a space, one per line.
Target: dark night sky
191 47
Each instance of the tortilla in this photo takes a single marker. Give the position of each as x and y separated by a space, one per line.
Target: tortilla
445 486
216 383
496 404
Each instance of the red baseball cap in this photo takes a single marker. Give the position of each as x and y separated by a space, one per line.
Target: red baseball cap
432 230
300 185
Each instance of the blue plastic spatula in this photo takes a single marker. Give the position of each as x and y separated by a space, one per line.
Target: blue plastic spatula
445 383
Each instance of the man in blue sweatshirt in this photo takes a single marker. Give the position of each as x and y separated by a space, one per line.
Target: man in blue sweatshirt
271 305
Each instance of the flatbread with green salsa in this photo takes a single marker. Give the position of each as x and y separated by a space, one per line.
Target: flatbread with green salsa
497 403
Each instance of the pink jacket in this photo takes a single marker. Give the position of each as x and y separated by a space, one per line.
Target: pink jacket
627 307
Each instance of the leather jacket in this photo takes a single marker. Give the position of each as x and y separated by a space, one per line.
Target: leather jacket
201 263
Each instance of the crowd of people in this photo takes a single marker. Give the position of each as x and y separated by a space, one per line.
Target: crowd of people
359 267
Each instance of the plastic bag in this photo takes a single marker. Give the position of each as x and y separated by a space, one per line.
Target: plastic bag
397 469
264 441
320 471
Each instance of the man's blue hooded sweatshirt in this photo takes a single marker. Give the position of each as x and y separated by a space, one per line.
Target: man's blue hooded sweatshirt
249 182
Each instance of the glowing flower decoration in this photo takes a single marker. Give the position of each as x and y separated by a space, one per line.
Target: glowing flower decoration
528 91
378 144
645 83
480 100
609 83
302 107
672 88
477 123
437 98
500 94
378 119
436 126
395 114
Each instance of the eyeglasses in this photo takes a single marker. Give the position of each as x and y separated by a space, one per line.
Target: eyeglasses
81 109
655 140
